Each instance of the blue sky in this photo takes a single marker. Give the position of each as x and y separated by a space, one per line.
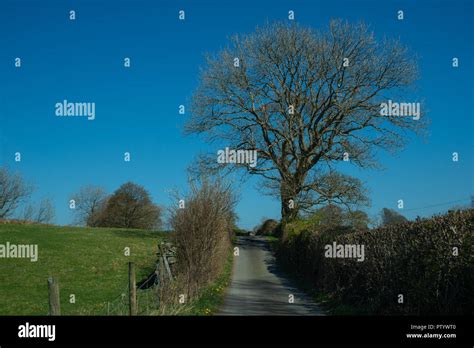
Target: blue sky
137 108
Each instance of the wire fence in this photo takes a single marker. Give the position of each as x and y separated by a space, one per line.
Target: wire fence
145 295
147 299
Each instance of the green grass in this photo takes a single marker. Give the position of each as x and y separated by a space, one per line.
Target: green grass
271 239
89 263
273 242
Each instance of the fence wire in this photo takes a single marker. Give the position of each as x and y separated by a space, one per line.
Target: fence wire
147 297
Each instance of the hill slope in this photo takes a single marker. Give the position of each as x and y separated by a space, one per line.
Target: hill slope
89 263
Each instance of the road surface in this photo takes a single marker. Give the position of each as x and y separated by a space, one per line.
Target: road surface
258 288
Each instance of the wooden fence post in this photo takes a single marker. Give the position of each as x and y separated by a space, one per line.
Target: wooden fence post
132 289
53 291
168 269
161 266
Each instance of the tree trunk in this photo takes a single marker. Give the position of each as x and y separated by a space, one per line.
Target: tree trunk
289 209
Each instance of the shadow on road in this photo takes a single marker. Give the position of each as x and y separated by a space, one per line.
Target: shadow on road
260 288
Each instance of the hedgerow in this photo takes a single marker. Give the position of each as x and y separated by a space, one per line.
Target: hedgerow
429 262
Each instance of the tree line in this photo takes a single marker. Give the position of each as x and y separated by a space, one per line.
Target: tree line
130 206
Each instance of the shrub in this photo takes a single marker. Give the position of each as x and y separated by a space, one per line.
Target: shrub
414 259
267 228
202 234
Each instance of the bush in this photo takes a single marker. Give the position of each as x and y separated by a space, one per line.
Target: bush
414 259
202 234
267 228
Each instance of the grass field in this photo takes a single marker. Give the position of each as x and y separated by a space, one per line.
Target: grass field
89 263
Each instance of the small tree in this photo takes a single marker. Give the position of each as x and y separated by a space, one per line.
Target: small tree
45 213
130 206
13 191
358 219
330 215
391 217
333 215
267 227
28 213
90 201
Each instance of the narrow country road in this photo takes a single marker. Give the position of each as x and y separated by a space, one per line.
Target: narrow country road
258 288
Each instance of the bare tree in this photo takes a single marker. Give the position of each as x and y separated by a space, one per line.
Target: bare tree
45 213
28 213
13 191
305 100
89 202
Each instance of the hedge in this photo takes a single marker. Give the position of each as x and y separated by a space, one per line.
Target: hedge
430 262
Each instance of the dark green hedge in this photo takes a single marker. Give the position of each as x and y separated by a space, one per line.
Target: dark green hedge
414 259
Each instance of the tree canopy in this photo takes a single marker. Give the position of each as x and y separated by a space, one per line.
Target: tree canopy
305 100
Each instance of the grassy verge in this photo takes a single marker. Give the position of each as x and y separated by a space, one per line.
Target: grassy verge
90 264
273 241
212 297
